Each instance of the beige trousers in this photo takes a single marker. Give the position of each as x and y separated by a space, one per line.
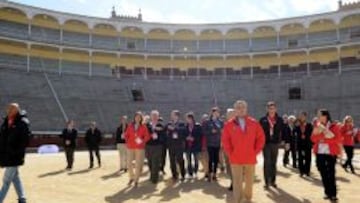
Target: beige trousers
242 174
138 155
121 147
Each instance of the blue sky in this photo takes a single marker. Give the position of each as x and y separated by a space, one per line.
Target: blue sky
192 11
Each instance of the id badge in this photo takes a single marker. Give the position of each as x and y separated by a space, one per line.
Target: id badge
175 136
154 136
138 140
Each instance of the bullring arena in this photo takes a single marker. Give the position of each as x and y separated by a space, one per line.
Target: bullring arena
84 68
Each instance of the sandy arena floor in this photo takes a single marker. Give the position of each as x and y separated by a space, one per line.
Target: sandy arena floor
46 182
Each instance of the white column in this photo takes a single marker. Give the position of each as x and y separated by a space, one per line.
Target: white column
251 67
145 43
197 45
28 57
29 28
339 58
145 67
61 35
279 64
60 62
198 67
90 63
90 39
250 43
308 62
224 61
224 45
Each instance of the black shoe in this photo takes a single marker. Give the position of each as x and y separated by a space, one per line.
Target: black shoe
125 170
99 164
130 182
274 185
214 178
22 200
326 198
334 199
266 187
230 188
344 167
91 166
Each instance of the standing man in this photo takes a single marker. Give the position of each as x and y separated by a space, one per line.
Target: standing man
14 138
212 130
175 138
304 131
69 136
154 146
93 139
272 125
120 143
243 139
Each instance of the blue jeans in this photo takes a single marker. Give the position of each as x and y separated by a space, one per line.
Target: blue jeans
11 175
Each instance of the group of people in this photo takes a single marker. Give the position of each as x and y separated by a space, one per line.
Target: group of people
235 140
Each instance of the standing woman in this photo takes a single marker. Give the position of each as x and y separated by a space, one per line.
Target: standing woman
303 131
136 136
193 144
120 143
326 137
348 133
213 130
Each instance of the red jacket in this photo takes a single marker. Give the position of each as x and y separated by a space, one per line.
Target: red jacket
334 143
347 132
131 135
242 146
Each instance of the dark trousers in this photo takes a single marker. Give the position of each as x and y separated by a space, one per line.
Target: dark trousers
326 166
163 157
190 156
293 152
92 150
69 153
304 160
349 150
270 153
177 157
213 159
154 156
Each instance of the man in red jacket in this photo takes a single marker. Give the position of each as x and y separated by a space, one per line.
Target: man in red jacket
243 138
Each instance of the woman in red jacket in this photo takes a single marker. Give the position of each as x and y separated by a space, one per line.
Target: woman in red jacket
136 136
326 137
348 133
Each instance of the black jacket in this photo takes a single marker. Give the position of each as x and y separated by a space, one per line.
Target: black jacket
289 135
70 135
93 139
161 135
197 134
278 129
119 132
304 142
13 141
176 142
